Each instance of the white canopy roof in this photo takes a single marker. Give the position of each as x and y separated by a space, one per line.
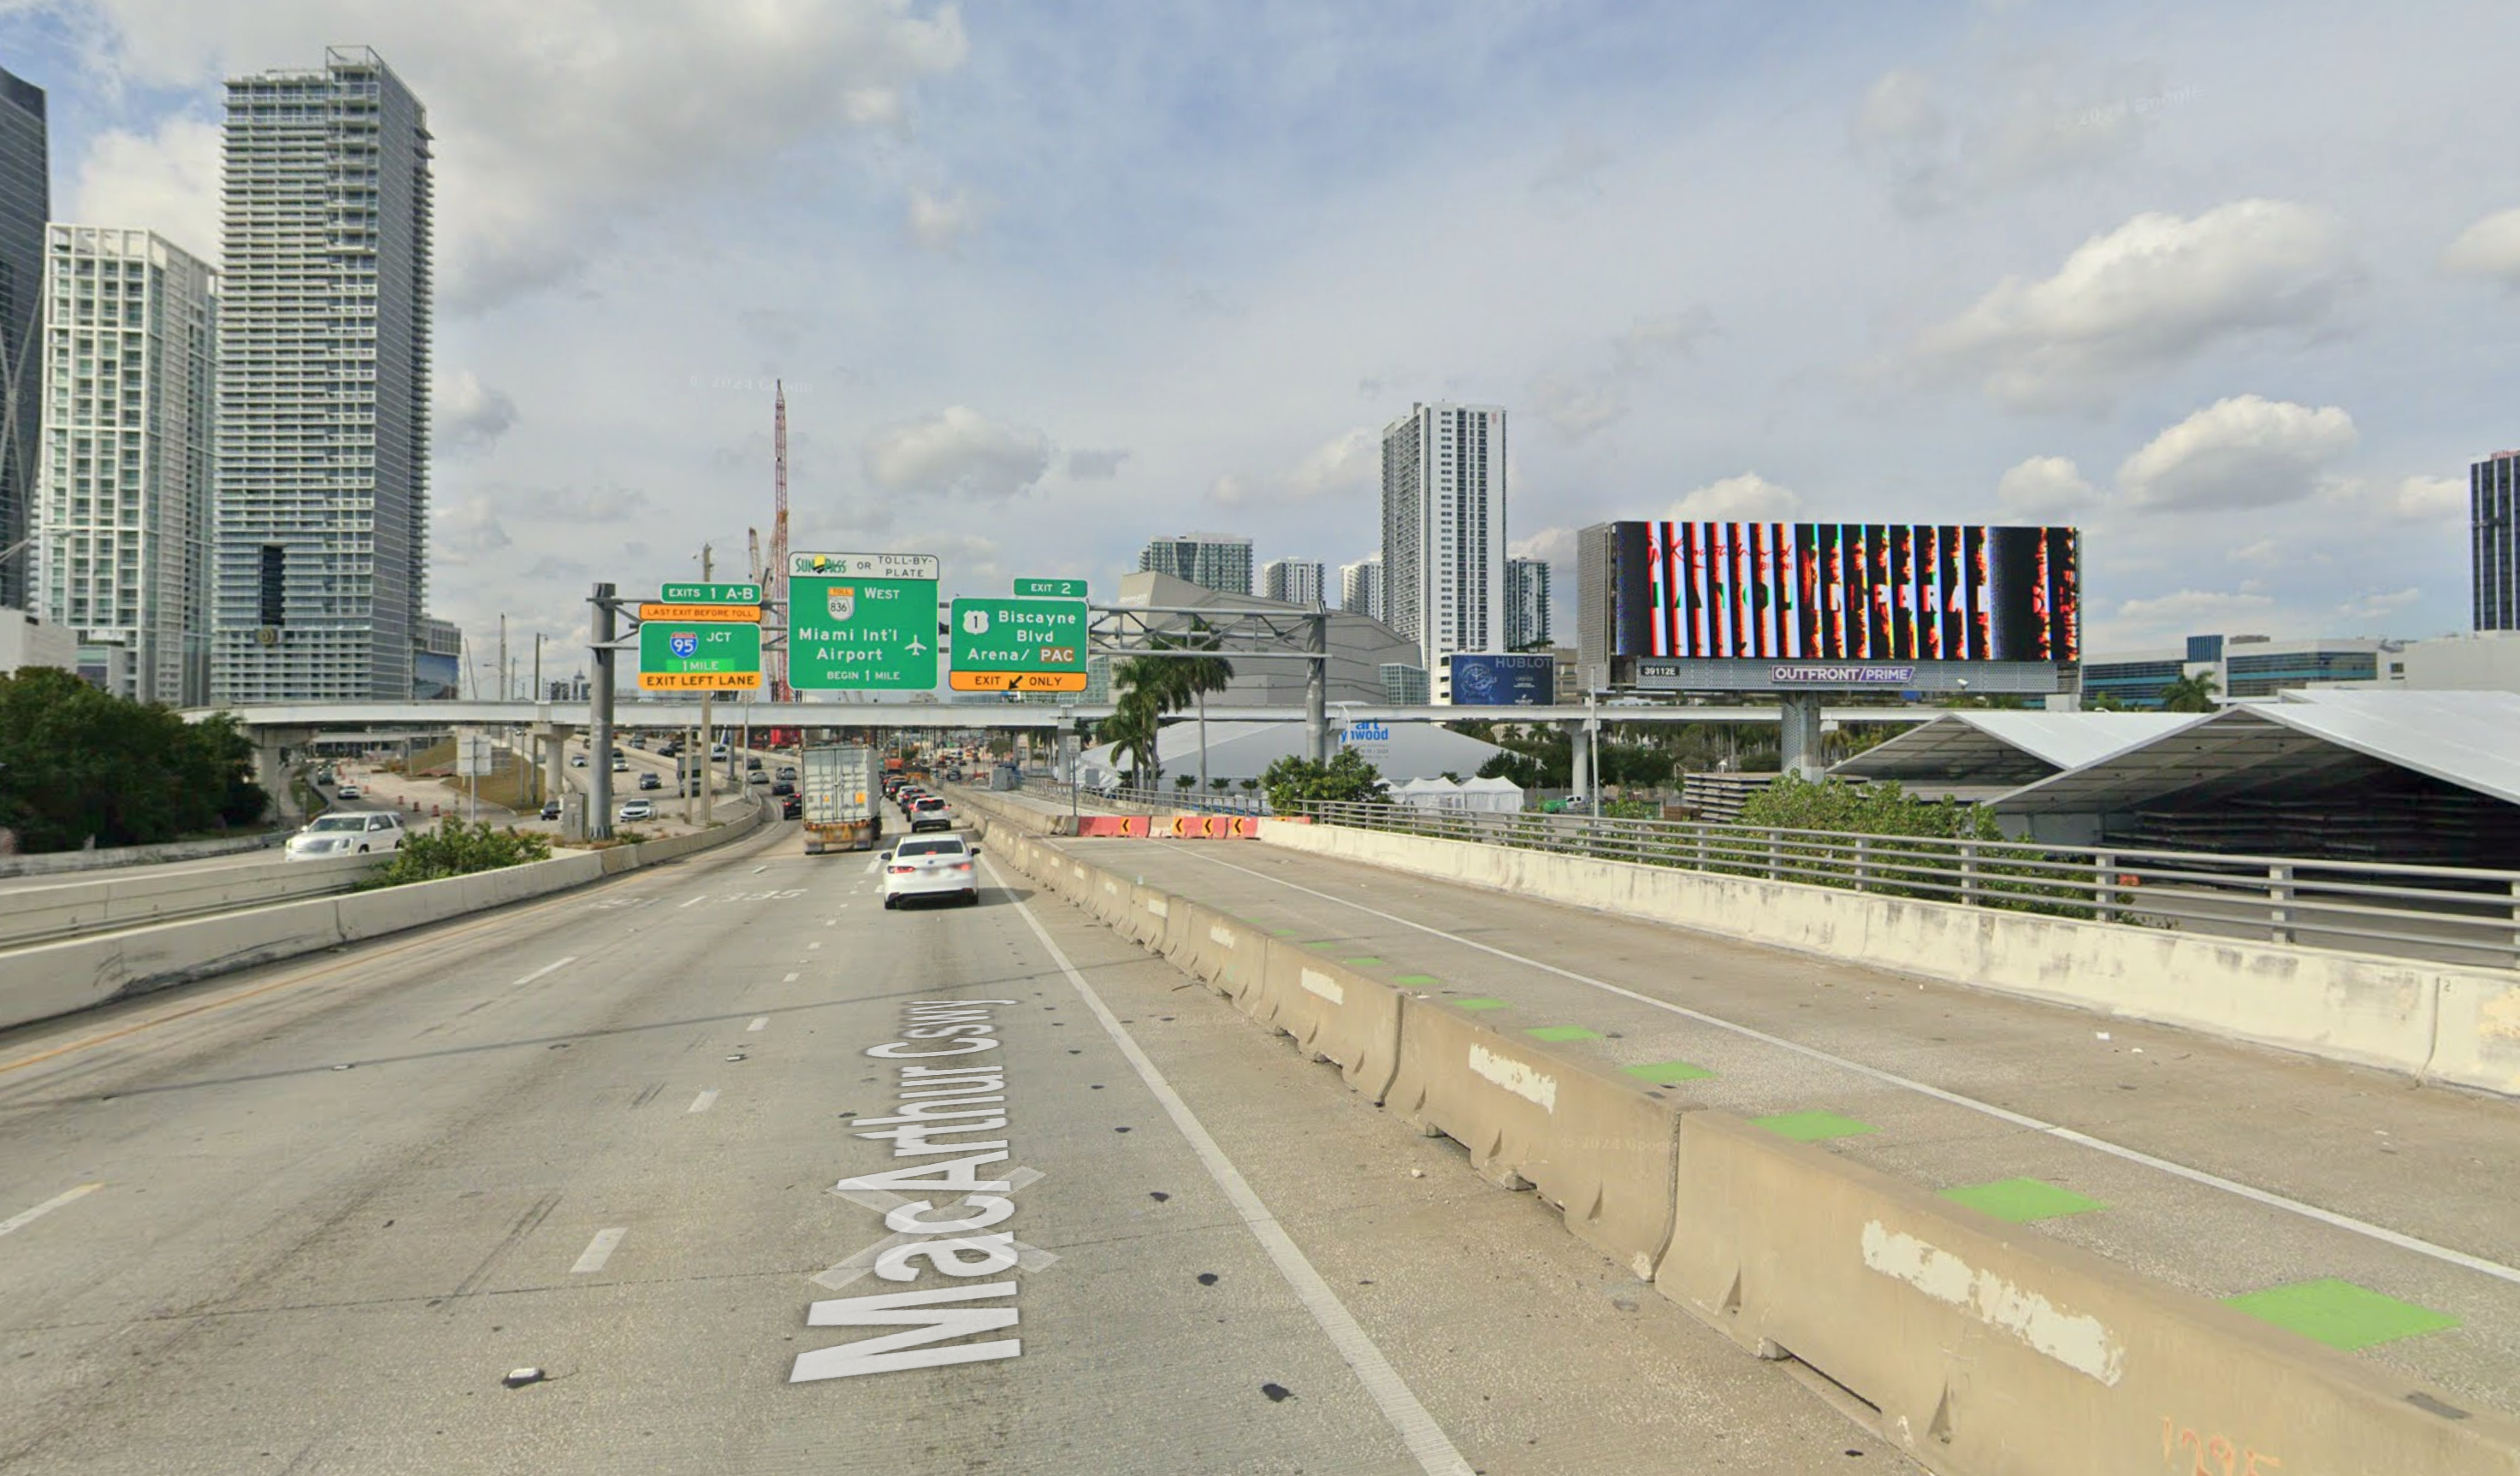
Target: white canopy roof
1994 747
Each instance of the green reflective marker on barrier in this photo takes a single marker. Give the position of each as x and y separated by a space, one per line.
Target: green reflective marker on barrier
2019 1201
1417 980
1480 1003
2340 1314
1367 961
1564 1033
1813 1127
1664 1073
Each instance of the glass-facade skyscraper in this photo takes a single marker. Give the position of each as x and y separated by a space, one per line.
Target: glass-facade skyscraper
1220 562
324 352
25 205
1444 528
2494 508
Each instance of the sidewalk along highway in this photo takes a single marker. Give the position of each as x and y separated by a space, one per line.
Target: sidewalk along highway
697 1161
2343 1204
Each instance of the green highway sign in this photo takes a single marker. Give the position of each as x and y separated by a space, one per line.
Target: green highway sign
700 655
1019 644
711 594
1051 589
862 622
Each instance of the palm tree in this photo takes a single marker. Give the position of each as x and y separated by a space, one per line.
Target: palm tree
1132 728
2194 694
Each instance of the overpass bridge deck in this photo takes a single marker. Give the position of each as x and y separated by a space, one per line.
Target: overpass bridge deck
2221 1168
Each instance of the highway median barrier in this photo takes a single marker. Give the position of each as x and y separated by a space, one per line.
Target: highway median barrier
1989 1349
49 979
1599 1149
1333 1012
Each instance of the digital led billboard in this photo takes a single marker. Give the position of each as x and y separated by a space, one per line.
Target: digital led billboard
1487 680
1847 592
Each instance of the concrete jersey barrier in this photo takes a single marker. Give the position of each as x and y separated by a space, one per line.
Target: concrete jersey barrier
73 907
2428 1020
60 862
50 979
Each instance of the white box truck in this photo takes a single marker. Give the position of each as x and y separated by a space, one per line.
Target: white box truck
842 796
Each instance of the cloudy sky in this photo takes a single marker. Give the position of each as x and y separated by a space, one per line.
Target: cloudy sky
2235 287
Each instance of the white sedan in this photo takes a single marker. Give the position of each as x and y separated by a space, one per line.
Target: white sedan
348 835
931 866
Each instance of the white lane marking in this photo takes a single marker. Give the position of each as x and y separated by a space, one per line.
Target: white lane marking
695 901
1418 1430
2307 1211
704 1102
759 1022
757 871
24 1218
812 946
598 1251
790 979
546 968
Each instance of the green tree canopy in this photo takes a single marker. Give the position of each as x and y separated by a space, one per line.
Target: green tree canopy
77 764
1294 782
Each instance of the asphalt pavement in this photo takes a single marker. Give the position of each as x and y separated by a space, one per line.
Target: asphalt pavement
631 1146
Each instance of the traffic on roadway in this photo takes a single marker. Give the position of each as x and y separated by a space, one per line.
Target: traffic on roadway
724 1167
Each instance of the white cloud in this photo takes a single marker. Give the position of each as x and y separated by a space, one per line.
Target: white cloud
168 182
957 450
2154 293
467 528
938 221
2490 249
1555 545
2379 605
2241 452
2044 487
586 504
466 417
1348 464
2189 609
2025 124
1578 405
558 124
1095 466
1575 406
2428 499
1748 498
1652 339
1575 165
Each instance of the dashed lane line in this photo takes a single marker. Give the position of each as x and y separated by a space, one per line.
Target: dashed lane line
24 1218
1418 1430
704 1102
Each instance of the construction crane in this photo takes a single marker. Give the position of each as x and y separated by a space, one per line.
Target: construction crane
752 552
774 575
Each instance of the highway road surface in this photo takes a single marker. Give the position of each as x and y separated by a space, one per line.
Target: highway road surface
658 1150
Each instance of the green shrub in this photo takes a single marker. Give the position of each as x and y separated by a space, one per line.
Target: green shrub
456 849
1295 782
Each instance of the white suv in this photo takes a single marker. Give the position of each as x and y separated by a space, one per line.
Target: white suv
348 833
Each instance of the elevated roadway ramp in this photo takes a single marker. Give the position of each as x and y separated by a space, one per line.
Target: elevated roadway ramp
2332 1205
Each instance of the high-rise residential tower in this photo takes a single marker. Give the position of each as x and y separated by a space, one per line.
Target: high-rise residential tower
1444 528
1220 562
124 486
1526 603
1361 588
25 205
324 345
2493 511
1295 581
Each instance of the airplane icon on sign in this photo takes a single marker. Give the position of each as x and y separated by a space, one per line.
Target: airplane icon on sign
916 646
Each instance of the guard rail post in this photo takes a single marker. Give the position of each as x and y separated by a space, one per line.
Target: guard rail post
1968 873
2105 875
2280 893
1863 863
1776 859
2515 925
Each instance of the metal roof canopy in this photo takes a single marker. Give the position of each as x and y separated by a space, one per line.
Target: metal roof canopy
1994 747
2470 740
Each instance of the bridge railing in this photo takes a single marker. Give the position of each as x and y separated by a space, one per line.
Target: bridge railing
2448 913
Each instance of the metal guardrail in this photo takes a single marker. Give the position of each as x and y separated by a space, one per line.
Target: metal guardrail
1210 802
2449 914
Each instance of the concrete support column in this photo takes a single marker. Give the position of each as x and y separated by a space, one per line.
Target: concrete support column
1798 742
551 742
1583 781
272 747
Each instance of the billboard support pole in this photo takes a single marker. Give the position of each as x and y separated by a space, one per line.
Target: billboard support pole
1798 740
599 708
1316 681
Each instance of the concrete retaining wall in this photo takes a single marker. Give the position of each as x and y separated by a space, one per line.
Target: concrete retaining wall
1989 1348
49 863
2429 1020
70 908
50 979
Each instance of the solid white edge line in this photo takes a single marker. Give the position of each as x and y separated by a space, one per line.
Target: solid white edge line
704 1102
598 1251
546 968
24 1217
2307 1211
1427 1440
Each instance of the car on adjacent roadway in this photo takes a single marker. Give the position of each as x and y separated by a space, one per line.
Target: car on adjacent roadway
638 809
929 812
651 782
550 809
346 834
931 866
347 792
791 806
